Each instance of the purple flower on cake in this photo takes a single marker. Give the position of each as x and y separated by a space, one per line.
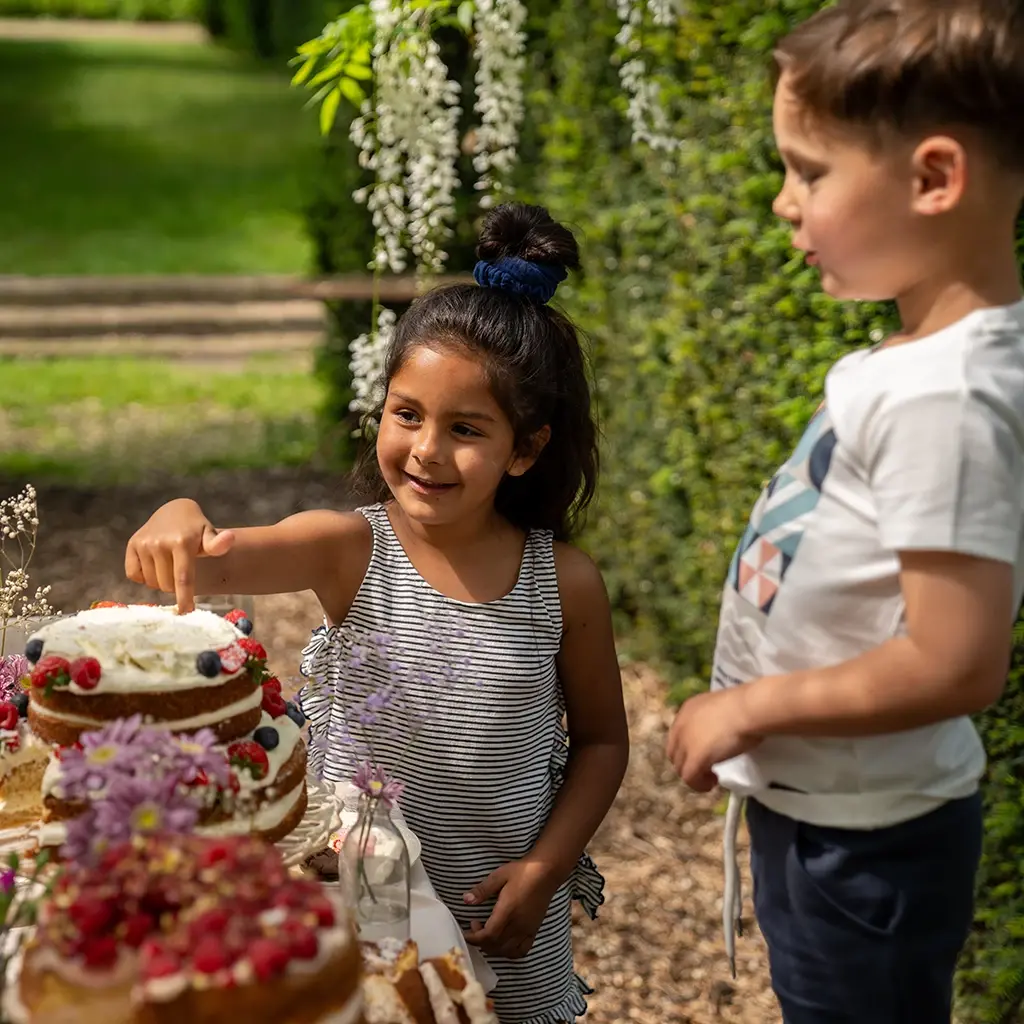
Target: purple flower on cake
198 754
143 806
13 667
6 881
136 779
115 749
375 783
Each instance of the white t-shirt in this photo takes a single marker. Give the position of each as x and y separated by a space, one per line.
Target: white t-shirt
919 446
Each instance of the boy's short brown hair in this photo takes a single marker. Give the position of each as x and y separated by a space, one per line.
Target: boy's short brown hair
914 66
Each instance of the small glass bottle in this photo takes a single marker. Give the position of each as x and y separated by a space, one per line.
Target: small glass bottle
375 873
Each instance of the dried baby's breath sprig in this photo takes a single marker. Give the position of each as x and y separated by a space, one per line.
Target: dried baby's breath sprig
19 527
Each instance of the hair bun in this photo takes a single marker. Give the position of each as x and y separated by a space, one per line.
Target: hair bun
528 233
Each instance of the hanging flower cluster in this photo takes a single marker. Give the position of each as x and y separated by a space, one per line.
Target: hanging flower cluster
407 135
367 362
406 128
500 45
645 111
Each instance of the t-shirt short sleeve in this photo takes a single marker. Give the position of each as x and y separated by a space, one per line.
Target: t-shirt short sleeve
946 471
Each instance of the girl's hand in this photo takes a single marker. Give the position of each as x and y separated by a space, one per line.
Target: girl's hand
163 553
524 889
709 728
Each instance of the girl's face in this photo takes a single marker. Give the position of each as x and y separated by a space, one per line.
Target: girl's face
444 443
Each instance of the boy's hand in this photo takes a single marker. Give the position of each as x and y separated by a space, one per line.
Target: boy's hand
524 890
163 553
709 728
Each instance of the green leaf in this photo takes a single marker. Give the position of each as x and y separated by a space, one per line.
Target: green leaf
329 110
465 15
352 91
304 72
360 71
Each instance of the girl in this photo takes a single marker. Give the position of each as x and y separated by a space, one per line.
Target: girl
485 457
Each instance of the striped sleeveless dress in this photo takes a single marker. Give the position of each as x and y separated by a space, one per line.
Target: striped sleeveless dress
488 755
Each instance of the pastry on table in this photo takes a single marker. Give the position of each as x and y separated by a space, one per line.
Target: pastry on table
398 989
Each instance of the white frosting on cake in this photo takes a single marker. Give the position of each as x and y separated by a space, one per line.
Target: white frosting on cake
267 817
288 732
140 648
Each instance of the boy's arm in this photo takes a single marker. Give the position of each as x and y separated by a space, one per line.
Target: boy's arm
952 661
945 468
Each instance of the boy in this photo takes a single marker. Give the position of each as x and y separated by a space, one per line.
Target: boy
868 609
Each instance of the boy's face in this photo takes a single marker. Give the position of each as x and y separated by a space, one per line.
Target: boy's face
850 206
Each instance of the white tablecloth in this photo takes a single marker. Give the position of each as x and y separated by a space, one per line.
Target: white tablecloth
436 932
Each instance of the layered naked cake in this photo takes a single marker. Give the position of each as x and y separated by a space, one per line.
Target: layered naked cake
173 928
182 673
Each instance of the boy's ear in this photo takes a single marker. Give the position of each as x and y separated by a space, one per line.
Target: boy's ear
530 452
940 175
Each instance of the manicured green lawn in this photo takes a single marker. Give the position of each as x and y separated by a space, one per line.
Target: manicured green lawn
150 158
112 420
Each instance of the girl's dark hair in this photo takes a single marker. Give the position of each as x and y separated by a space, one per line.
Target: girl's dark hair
537 369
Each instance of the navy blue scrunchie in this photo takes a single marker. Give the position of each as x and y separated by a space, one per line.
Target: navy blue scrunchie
520 277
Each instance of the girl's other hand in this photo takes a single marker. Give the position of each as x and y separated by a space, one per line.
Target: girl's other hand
524 890
162 554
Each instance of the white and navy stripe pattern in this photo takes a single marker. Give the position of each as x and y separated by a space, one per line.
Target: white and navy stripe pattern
482 774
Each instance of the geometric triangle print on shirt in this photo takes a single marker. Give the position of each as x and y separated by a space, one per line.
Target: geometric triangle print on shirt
772 537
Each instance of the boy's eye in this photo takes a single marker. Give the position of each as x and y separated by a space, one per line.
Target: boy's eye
809 175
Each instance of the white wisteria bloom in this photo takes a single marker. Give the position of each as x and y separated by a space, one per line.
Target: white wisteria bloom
500 45
645 110
408 137
366 362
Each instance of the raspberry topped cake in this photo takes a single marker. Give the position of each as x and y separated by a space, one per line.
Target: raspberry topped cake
181 671
186 674
172 928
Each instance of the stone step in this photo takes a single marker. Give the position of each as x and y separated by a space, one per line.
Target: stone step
17 290
236 348
179 319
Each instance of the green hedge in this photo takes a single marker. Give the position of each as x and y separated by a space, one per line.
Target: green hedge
710 346
267 28
126 10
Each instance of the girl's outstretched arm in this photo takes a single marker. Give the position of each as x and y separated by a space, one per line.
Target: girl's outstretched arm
180 552
588 669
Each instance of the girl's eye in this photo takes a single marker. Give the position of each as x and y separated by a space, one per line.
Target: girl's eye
406 415
463 430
